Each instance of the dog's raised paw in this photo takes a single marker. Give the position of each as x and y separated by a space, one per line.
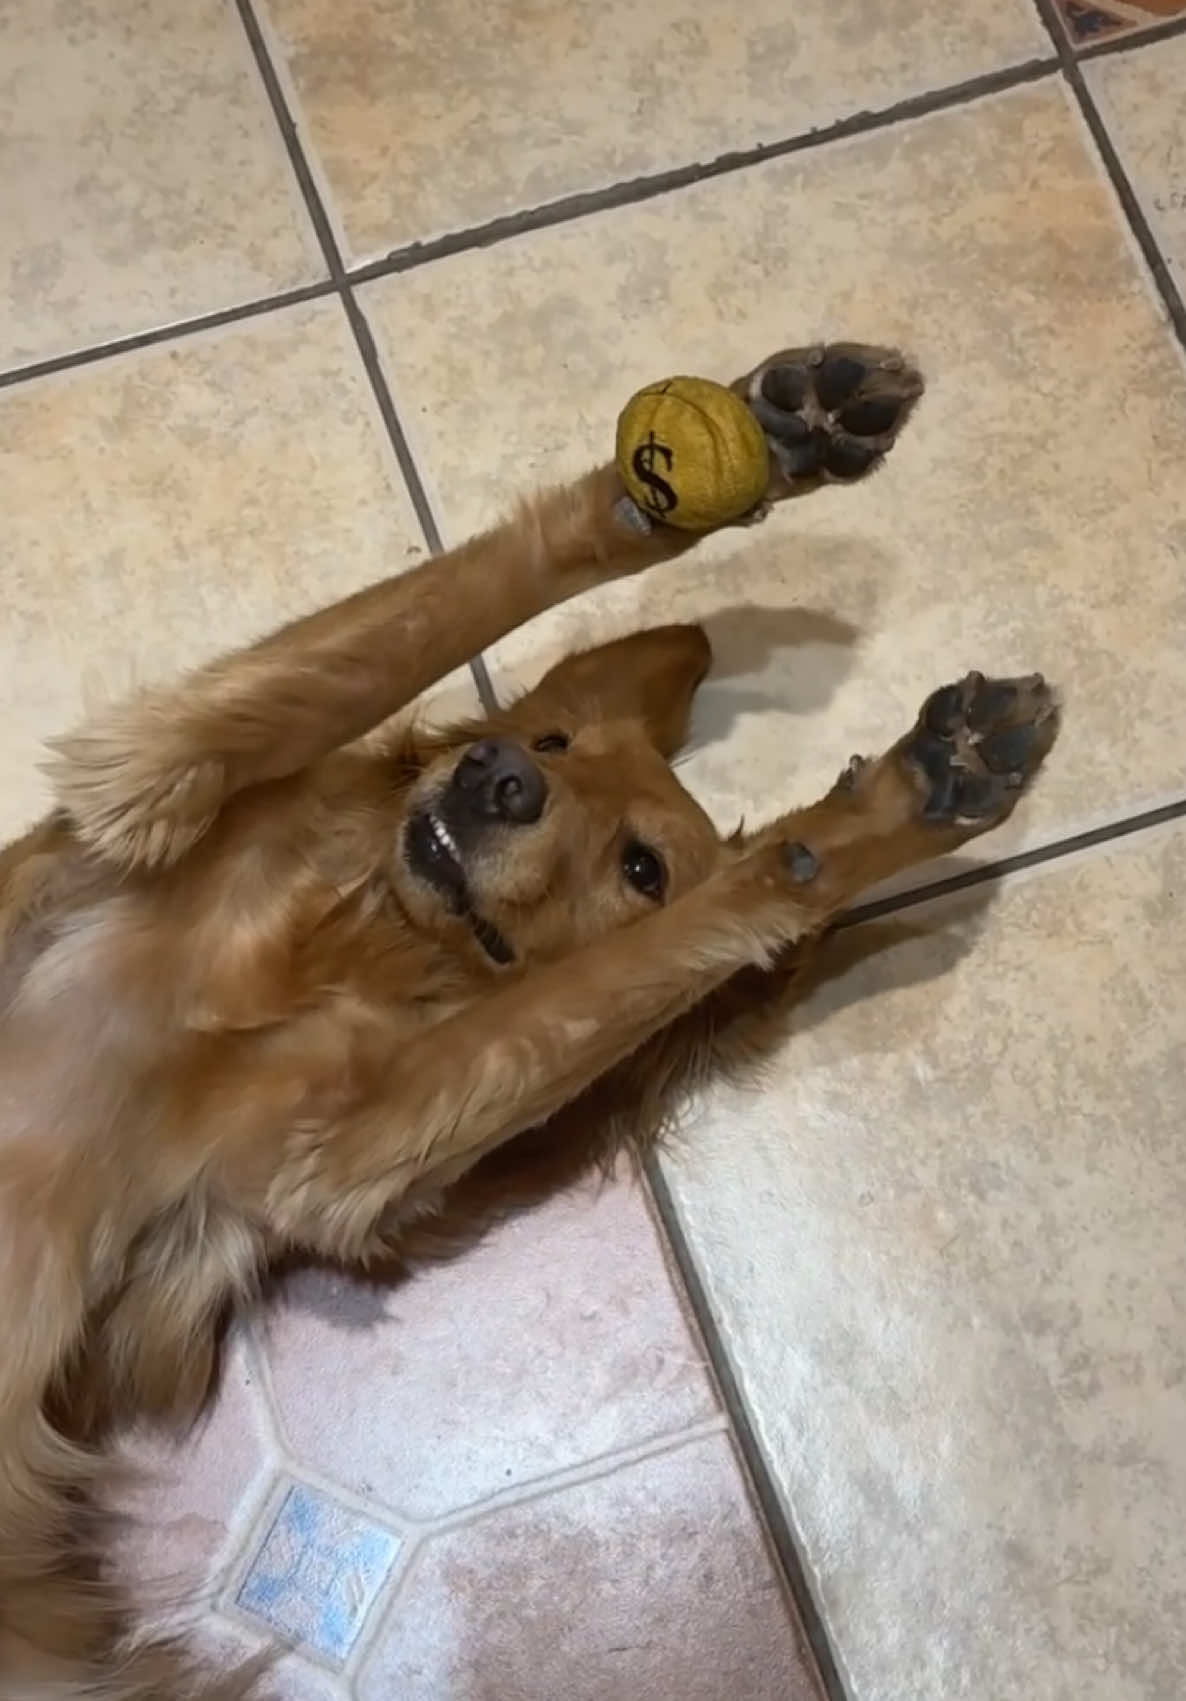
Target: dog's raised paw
976 745
830 413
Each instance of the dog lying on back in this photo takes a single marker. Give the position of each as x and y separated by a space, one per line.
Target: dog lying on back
270 985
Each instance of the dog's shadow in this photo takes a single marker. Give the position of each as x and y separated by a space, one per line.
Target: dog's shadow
787 656
920 942
911 947
793 659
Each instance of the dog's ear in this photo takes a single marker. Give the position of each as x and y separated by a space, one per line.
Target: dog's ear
649 677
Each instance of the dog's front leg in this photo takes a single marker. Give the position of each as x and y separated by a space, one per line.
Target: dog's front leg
424 1110
423 1114
144 779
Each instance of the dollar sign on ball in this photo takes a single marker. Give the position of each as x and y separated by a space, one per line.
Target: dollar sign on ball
660 498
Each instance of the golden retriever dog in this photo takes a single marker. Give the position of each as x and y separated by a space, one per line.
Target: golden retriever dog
278 980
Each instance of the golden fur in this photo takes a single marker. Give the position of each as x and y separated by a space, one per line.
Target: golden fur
239 1022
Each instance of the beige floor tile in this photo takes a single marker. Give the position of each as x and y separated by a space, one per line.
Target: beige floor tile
432 118
573 1347
144 179
945 1248
1139 95
1033 516
650 1582
165 505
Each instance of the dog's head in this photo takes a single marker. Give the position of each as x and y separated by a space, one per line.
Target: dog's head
560 818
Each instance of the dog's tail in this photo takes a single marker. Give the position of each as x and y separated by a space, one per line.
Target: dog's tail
65 1633
64 1629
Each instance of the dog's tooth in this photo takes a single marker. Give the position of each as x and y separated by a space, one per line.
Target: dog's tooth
444 838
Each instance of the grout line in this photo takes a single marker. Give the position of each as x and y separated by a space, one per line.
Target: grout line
289 1471
1131 39
412 1533
310 193
570 207
596 1469
409 471
364 341
167 333
275 54
369 356
785 1542
697 1327
255 1336
383 1609
1130 204
412 1527
992 871
485 685
341 284
293 1468
629 191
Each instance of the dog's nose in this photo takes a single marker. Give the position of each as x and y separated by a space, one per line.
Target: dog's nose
498 780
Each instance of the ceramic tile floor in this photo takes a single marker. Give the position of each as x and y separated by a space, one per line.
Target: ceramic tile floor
938 1254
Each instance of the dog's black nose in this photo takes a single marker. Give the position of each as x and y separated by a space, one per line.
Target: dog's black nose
497 779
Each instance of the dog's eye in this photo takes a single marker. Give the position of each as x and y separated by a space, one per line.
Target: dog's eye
551 741
644 869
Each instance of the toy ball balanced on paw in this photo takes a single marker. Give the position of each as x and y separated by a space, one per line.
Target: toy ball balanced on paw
692 454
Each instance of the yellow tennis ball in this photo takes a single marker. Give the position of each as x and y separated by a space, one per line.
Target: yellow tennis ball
692 454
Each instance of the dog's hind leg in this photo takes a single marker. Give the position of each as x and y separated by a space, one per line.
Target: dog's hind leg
143 780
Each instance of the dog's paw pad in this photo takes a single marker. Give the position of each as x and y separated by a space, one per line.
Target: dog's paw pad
833 412
978 743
